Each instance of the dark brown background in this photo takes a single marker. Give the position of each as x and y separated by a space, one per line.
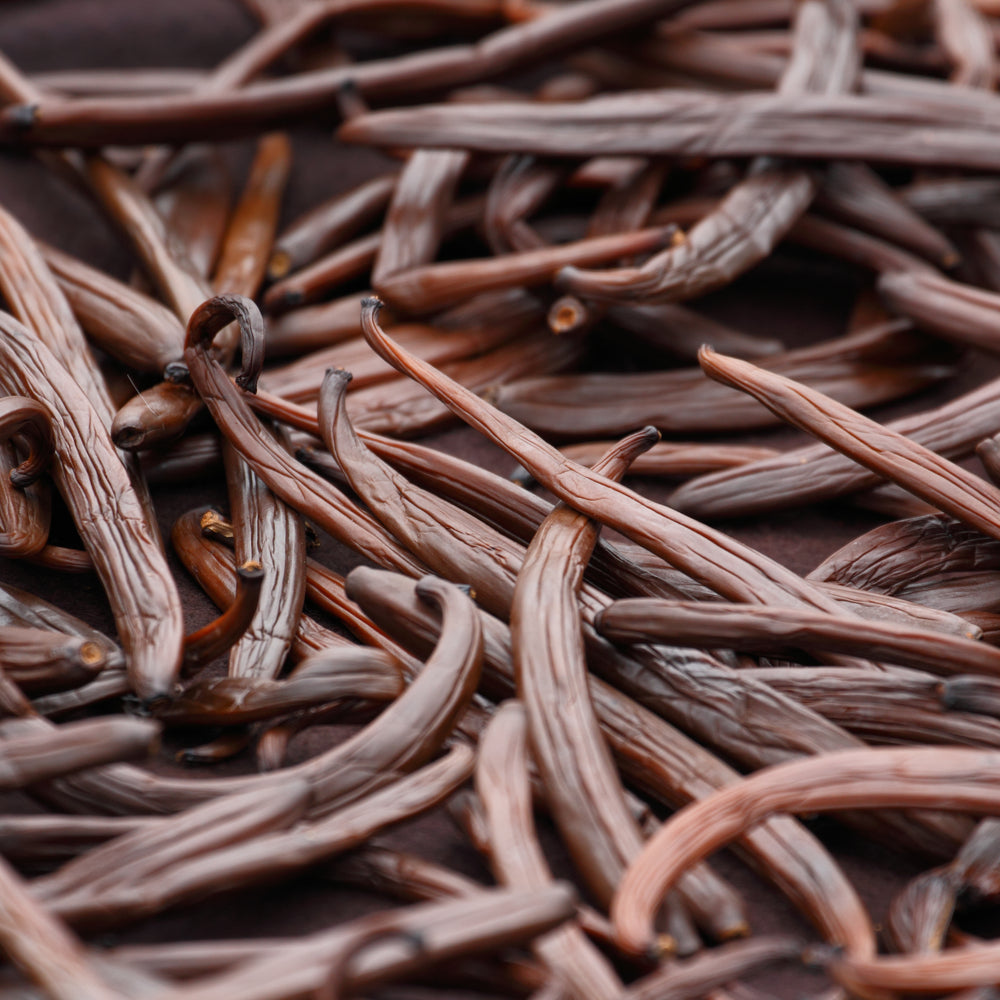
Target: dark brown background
797 297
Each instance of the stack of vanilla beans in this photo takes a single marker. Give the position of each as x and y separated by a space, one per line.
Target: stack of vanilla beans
441 739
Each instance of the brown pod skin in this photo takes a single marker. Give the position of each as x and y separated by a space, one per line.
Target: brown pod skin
214 567
270 532
659 760
152 848
303 490
915 776
948 308
19 608
490 921
248 110
674 122
188 875
218 636
415 219
24 507
777 630
107 512
328 224
193 199
43 948
816 472
707 555
504 790
892 456
357 672
32 757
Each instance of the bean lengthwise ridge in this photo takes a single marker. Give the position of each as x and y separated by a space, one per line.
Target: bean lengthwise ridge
464 464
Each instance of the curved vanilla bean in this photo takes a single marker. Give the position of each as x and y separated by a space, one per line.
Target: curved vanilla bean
777 630
718 967
856 195
658 759
816 472
218 636
296 485
40 660
961 201
250 109
273 534
281 969
709 556
355 672
250 235
415 219
916 776
435 286
43 948
131 326
921 471
29 420
214 567
948 308
107 512
25 509
30 758
678 401
582 789
667 122
151 849
267 856
328 225
504 790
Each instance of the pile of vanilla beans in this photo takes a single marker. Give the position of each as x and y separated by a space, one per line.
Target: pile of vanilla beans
574 173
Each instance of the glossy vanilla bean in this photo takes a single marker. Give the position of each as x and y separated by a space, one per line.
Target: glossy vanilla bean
273 534
131 326
304 491
107 511
259 106
661 761
354 672
218 636
816 472
892 456
267 855
777 630
328 224
504 790
682 542
915 776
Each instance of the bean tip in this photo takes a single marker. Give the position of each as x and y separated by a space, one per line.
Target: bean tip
23 116
176 372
